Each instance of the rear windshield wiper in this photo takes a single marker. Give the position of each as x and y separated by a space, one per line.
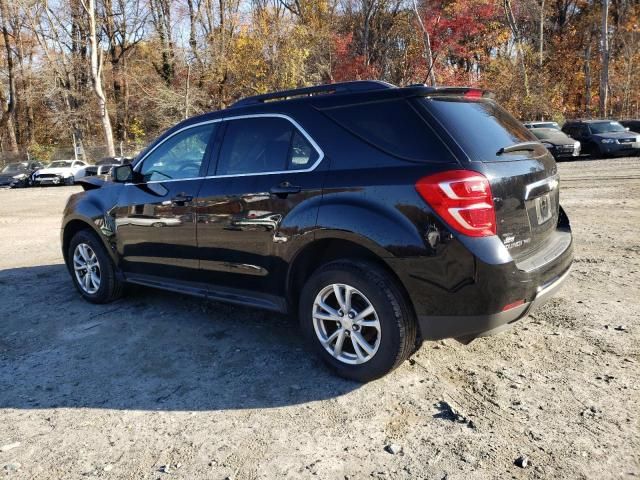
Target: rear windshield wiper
519 147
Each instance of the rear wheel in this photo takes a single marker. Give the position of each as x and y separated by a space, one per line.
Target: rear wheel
92 269
357 320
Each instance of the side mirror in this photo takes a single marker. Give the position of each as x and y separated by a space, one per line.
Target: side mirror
122 173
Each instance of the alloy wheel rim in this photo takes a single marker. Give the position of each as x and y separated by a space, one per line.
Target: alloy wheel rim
86 268
346 324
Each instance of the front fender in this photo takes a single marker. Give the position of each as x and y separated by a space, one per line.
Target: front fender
91 208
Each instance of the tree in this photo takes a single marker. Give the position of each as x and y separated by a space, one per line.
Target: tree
7 121
96 76
604 67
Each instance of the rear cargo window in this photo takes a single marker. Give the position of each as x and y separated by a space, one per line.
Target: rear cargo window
394 127
481 127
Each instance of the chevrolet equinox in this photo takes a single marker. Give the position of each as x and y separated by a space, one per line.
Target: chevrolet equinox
381 216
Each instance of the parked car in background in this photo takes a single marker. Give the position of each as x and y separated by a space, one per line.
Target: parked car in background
104 166
632 125
557 142
603 137
533 125
15 175
382 216
60 172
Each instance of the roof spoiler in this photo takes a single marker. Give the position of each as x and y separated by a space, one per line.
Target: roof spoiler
467 92
331 88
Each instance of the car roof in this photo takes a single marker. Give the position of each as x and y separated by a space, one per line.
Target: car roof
354 91
340 93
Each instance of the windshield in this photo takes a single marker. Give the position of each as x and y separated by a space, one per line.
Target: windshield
606 127
480 127
14 168
60 164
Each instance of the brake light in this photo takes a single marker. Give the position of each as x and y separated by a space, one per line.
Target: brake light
463 199
473 93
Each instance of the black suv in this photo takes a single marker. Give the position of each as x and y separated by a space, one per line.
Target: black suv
603 138
381 216
631 125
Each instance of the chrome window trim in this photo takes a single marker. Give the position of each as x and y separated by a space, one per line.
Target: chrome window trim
237 117
552 183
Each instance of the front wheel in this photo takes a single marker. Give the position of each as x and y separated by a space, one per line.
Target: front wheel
92 269
70 180
357 320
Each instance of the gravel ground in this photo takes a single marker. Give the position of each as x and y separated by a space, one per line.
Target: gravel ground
164 386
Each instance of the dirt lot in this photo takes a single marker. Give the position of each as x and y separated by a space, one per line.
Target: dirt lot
164 386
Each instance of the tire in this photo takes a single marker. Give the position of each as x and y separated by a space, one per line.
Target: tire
70 180
389 344
109 288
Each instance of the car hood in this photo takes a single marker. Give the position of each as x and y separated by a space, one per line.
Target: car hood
57 170
558 138
616 135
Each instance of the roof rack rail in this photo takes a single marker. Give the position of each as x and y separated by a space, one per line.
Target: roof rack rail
342 87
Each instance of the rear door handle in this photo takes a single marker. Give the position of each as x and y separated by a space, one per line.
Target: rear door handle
181 199
284 189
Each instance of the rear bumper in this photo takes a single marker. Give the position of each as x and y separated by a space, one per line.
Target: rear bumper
484 325
463 292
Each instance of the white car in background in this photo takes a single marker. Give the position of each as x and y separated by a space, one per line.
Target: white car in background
60 172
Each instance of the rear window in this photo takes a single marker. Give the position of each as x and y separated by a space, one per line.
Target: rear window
481 127
394 127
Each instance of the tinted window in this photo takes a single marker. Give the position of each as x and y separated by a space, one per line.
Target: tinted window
480 127
394 127
14 168
254 145
180 156
301 154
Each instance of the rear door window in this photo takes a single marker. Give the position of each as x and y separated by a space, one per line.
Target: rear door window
301 154
262 145
480 127
394 127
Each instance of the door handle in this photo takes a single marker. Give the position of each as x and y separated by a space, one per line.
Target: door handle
181 199
284 189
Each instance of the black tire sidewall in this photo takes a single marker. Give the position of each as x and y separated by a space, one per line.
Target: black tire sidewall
386 304
107 273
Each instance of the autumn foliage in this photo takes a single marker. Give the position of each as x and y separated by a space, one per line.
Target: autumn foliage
164 60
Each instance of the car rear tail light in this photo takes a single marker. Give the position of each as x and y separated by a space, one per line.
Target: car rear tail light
462 198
